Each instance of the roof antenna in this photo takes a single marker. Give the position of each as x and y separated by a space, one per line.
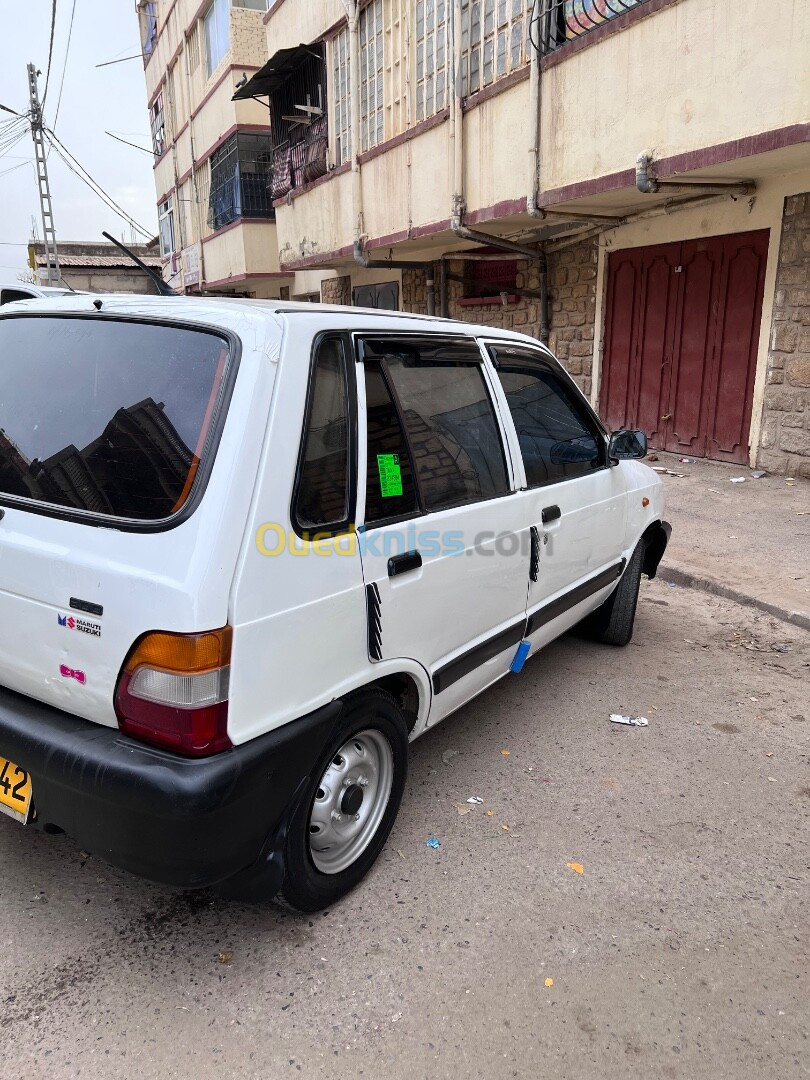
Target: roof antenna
161 286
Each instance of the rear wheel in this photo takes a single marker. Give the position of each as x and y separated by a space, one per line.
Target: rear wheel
343 820
612 622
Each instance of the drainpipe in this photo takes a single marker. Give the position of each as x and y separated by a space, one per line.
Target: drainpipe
535 106
354 90
443 288
430 288
651 185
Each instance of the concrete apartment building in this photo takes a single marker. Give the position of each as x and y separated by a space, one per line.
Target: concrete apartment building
578 130
212 154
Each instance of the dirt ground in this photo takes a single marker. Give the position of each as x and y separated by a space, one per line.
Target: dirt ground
753 537
680 951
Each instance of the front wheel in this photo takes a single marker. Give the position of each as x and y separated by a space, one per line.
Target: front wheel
612 622
342 822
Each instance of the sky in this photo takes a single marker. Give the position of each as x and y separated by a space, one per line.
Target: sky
94 101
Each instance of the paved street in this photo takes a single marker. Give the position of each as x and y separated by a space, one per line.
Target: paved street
679 952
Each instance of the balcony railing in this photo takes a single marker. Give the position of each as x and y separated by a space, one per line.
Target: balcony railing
557 22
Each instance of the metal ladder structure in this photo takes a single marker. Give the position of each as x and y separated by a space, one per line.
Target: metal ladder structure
41 164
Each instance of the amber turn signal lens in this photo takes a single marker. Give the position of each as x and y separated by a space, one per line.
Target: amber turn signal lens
645 501
188 654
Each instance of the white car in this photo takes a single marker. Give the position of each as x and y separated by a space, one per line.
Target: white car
19 290
249 550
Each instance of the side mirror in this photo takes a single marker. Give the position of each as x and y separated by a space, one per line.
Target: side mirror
626 444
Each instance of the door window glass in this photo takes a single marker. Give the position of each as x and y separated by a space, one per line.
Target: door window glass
449 419
322 497
558 439
390 487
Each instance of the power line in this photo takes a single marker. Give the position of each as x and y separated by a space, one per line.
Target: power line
64 68
82 173
5 172
50 52
128 143
123 60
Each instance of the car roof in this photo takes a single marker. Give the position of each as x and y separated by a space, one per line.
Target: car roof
209 310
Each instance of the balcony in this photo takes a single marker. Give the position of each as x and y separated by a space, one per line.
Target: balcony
294 82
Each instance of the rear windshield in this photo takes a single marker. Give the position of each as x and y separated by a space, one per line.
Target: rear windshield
106 416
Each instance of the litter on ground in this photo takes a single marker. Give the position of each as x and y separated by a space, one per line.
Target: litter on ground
577 867
475 799
432 842
738 479
630 721
506 753
549 982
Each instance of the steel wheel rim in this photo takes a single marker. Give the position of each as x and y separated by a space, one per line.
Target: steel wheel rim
350 801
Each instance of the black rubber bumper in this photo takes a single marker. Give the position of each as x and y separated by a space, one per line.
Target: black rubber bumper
183 822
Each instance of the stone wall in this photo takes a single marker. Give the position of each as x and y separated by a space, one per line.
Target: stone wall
785 441
572 302
336 290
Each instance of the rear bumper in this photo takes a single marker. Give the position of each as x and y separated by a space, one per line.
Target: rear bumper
183 822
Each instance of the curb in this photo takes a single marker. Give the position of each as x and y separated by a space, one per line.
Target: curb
686 578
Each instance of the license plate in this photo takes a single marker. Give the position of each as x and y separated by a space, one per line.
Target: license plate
15 791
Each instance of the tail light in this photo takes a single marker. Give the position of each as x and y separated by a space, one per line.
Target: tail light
173 691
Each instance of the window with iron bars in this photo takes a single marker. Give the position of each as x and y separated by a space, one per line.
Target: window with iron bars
241 174
560 21
157 123
342 97
494 40
372 52
193 47
431 57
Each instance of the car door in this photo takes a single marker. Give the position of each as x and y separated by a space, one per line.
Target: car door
439 534
573 502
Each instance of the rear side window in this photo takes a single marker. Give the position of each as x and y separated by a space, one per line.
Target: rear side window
390 486
558 439
106 416
449 420
322 497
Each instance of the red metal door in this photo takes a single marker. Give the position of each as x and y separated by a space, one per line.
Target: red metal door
681 332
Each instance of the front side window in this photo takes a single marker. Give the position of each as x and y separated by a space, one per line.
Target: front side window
216 22
449 419
322 495
558 438
125 436
166 227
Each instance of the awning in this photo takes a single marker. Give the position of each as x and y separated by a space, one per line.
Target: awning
276 71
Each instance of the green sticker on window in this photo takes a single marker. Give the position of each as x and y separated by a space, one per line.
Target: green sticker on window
390 475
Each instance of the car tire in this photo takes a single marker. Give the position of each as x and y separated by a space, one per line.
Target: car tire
612 622
345 815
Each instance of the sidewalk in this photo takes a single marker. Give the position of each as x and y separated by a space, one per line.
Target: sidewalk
749 542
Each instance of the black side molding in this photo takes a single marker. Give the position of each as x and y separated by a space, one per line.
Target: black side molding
544 615
373 614
479 654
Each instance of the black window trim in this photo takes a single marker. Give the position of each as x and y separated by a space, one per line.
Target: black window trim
209 451
552 364
347 525
480 359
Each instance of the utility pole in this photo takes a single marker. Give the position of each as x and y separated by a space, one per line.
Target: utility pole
41 164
